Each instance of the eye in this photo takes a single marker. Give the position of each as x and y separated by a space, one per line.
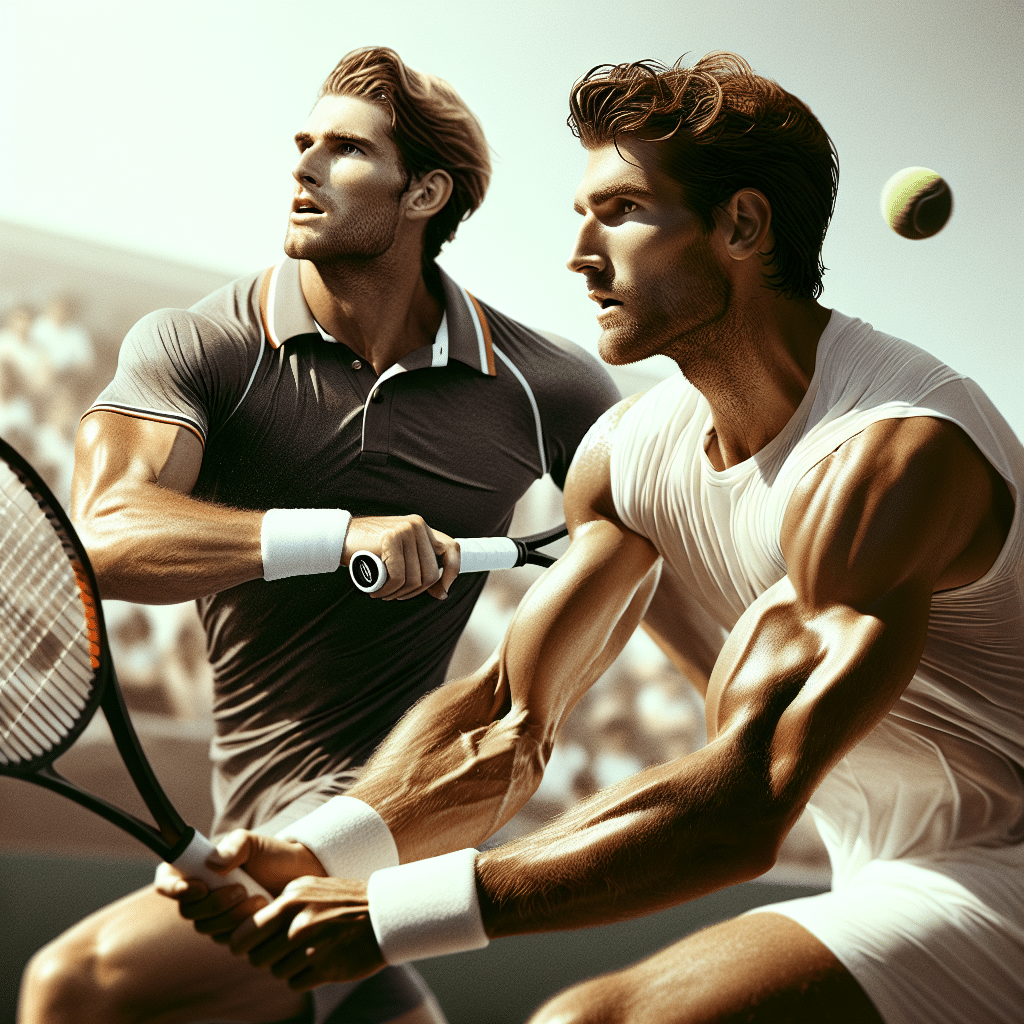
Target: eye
627 206
348 149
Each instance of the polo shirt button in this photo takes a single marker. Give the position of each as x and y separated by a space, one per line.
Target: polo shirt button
377 396
357 364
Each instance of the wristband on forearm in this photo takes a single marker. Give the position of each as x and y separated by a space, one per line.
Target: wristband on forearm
426 908
302 541
348 837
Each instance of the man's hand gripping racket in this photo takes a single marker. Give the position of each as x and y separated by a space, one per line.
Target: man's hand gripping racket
56 670
479 554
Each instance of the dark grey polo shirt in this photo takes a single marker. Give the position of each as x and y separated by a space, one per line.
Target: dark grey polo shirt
310 674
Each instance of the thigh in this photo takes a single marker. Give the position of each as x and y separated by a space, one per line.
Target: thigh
138 959
935 940
756 969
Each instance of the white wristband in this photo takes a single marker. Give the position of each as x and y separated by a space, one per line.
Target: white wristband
348 837
302 541
426 908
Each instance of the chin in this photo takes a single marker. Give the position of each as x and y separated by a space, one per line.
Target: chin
293 245
621 348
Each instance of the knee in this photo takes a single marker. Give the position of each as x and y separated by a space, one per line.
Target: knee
71 980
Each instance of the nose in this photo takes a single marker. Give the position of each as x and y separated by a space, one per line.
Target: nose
306 170
586 253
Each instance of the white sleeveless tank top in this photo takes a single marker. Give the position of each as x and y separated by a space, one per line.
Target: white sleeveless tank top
945 768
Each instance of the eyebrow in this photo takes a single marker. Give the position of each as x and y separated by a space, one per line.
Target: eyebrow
336 137
625 190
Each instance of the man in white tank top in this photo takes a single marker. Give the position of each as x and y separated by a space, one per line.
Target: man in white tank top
837 501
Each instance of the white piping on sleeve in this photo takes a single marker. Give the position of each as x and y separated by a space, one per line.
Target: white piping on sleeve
533 403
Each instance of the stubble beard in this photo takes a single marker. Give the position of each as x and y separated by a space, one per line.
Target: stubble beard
685 325
360 239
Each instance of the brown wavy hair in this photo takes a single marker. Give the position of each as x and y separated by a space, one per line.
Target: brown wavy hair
431 126
724 129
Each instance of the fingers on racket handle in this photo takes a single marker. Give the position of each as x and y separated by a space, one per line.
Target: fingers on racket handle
192 864
479 554
367 571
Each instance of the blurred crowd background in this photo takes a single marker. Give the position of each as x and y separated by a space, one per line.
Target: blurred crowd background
64 307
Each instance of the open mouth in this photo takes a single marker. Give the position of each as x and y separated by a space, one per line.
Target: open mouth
303 205
608 303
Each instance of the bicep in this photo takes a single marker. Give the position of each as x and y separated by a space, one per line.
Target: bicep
114 450
816 662
796 686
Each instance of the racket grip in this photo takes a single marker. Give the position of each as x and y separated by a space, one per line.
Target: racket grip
479 554
191 862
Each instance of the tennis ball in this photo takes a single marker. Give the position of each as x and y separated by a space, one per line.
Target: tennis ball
916 202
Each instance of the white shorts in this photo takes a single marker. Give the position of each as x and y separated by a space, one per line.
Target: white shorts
936 940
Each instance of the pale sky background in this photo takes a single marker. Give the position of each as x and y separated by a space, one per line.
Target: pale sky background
166 127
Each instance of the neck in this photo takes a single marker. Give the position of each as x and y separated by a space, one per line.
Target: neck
754 367
380 308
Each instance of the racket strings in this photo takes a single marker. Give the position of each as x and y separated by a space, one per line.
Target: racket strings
48 631
46 685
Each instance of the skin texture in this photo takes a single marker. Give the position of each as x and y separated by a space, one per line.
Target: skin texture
150 541
902 510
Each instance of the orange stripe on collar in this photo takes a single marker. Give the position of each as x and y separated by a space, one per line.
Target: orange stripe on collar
485 327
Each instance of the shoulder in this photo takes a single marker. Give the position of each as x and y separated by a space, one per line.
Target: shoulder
221 328
183 339
589 482
904 503
862 366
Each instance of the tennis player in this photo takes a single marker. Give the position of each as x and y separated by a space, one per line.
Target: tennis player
352 397
838 500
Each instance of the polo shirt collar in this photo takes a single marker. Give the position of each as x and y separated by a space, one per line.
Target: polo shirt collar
464 334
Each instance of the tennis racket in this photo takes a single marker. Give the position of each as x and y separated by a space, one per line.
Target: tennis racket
56 670
479 554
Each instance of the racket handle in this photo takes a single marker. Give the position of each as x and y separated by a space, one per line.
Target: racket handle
367 572
191 862
479 554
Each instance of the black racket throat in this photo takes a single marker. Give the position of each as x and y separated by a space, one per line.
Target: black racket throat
527 547
159 842
170 835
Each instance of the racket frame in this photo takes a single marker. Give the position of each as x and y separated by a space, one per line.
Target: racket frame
171 835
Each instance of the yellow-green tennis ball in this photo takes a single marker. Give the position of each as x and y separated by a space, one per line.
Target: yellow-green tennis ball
916 202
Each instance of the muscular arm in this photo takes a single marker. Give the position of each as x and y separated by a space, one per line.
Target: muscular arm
151 542
903 510
148 540
468 756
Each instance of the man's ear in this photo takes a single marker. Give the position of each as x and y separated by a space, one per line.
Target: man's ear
744 223
427 194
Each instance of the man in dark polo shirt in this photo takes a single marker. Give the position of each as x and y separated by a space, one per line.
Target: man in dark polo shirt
352 397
